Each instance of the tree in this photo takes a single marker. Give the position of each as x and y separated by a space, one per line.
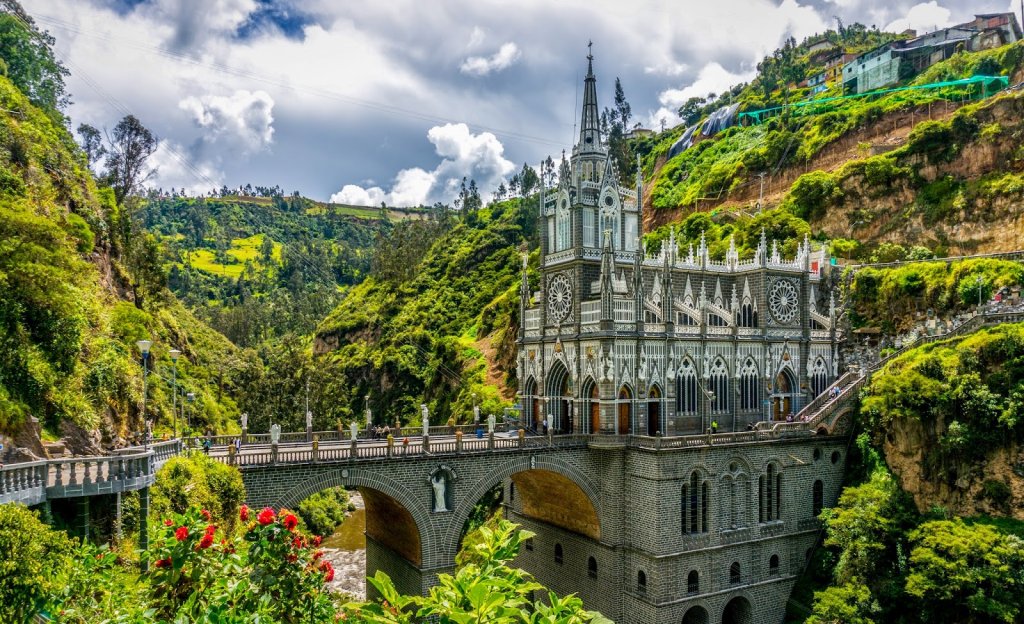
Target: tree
965 573
92 143
622 109
29 60
483 589
128 149
528 179
691 110
850 603
31 558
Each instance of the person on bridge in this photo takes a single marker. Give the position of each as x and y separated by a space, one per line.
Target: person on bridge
206 445
714 426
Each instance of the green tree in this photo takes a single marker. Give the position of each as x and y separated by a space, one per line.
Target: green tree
92 143
129 148
32 560
963 573
850 603
198 481
28 56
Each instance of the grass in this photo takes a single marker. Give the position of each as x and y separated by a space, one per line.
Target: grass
242 250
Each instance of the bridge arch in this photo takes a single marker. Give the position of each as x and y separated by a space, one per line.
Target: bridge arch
408 524
567 473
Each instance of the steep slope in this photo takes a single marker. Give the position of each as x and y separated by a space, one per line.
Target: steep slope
67 330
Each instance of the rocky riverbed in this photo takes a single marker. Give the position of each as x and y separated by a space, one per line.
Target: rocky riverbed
346 550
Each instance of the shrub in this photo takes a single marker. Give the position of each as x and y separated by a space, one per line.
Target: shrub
198 481
32 559
324 511
811 195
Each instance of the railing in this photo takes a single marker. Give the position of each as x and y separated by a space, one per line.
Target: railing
34 482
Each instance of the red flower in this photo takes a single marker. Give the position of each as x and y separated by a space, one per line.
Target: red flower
266 516
168 522
181 533
210 529
243 513
316 540
206 542
328 570
318 554
206 515
297 541
292 558
163 563
290 522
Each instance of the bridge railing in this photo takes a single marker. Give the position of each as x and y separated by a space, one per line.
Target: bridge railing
79 476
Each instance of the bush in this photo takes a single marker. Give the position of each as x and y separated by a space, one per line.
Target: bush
198 481
324 511
812 194
32 560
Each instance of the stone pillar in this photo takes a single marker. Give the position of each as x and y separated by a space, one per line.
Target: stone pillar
83 518
316 448
245 435
118 523
273 453
144 528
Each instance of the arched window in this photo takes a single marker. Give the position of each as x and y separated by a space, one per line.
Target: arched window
693 582
750 386
684 319
819 377
770 493
558 554
650 316
695 504
592 567
748 315
819 498
773 565
641 582
686 389
562 227
715 320
720 387
734 573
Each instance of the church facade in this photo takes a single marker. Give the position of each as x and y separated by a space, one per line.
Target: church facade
619 341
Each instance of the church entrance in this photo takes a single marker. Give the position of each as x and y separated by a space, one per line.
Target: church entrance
654 411
625 410
559 400
782 398
594 405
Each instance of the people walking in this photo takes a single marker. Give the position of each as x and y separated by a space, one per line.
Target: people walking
714 426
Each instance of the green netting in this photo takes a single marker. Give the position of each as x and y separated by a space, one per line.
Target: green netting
988 86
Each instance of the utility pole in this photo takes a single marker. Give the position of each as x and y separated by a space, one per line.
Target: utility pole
760 194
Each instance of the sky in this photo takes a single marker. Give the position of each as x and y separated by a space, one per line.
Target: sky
398 100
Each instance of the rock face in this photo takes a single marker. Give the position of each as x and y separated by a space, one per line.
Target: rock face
991 487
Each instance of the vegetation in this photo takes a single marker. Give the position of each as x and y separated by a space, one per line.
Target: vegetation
196 481
323 512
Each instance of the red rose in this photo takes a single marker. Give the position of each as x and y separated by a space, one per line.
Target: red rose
266 516
243 513
168 522
181 533
292 558
206 542
290 522
206 515
163 563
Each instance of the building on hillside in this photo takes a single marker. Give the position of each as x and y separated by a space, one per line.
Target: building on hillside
899 60
831 70
617 341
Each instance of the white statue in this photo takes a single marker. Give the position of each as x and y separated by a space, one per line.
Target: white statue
606 366
354 428
275 433
437 482
551 423
369 417
642 372
490 423
245 421
476 414
309 419
425 416
671 372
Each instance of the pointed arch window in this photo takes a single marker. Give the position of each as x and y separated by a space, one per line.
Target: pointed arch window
684 319
686 389
563 230
589 228
715 320
695 500
748 315
819 377
719 387
770 494
750 386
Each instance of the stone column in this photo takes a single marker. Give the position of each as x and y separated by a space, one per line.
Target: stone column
144 528
118 524
83 517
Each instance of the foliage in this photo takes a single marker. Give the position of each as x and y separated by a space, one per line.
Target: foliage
811 193
324 511
850 603
196 480
30 557
966 573
483 589
29 60
721 229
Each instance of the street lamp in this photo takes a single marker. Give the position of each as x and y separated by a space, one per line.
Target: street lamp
979 294
175 354
190 398
144 346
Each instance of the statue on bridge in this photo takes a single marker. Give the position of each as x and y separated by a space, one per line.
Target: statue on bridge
354 428
245 421
425 416
275 433
491 421
438 483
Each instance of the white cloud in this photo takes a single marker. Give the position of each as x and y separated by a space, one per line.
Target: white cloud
194 22
923 17
175 168
506 55
712 78
243 120
463 154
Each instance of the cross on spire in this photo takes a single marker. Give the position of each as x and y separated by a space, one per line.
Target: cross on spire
590 50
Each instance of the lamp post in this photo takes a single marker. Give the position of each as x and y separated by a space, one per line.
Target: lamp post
979 294
175 354
144 346
190 397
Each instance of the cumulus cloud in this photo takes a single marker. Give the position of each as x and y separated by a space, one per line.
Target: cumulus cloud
506 55
923 17
712 78
244 119
479 156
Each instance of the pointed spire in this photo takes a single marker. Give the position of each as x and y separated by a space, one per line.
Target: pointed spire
607 279
719 301
590 132
732 257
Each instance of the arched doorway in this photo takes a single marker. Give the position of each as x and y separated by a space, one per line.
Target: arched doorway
696 615
782 397
654 411
737 611
625 407
558 398
591 394
532 405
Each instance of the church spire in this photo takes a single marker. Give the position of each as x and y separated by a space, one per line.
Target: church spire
590 133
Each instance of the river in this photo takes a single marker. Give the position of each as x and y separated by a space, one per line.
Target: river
346 550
